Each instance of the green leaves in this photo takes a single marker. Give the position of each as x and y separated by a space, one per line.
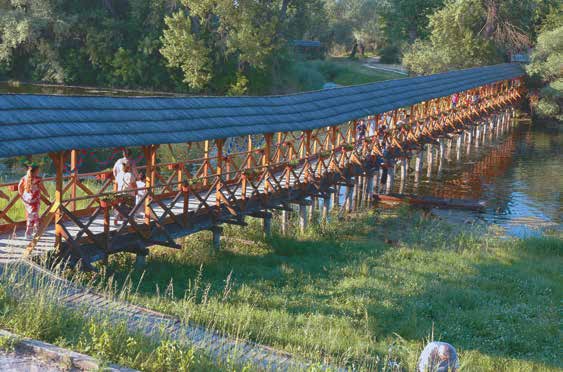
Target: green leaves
454 41
547 60
183 50
217 44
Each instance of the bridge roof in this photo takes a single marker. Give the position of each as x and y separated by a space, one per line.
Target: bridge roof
33 124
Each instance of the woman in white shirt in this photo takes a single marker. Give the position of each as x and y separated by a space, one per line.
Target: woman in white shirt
126 184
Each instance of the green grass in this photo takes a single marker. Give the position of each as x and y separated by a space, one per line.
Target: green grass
345 71
30 311
311 75
365 291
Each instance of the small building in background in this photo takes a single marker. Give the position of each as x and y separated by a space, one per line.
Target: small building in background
522 57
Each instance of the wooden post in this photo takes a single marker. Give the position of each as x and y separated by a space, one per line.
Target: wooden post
205 162
219 144
266 160
308 153
58 160
73 178
150 178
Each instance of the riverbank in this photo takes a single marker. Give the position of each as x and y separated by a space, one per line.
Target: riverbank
364 292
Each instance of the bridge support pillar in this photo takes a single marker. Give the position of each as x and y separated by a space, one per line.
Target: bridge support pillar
284 222
326 209
429 160
404 171
491 129
349 198
376 180
390 178
313 209
417 167
458 146
369 187
442 148
302 217
216 230
360 191
267 225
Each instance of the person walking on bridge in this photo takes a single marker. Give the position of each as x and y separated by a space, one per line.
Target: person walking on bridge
118 166
455 100
30 189
127 187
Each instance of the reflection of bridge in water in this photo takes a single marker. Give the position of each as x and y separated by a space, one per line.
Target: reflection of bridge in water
495 163
295 147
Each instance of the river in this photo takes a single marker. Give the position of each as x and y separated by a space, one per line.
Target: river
517 175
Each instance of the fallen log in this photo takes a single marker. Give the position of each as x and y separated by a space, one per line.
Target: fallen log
430 201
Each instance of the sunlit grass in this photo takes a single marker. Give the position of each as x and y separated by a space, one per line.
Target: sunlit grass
365 291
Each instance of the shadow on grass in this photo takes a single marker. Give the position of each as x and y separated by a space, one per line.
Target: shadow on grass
502 305
487 295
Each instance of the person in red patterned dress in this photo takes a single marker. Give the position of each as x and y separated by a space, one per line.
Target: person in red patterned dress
30 189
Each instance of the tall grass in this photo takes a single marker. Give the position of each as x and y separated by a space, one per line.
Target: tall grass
28 307
364 292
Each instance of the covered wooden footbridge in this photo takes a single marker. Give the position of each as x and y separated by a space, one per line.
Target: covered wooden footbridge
245 156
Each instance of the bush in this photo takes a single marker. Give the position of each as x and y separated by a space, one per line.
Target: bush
390 54
307 76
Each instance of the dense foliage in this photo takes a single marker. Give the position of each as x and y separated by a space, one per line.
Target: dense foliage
547 60
467 33
211 46
246 46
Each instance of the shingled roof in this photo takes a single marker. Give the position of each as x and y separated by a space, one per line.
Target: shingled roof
33 124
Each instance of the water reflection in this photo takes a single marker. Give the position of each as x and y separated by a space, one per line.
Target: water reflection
517 174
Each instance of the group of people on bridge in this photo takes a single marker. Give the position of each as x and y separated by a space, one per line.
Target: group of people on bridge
128 181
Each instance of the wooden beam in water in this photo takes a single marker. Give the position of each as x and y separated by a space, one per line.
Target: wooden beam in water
431 201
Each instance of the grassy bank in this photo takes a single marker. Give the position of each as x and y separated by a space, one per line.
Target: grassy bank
30 311
367 291
311 75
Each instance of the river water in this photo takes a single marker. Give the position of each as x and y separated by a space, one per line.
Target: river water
518 175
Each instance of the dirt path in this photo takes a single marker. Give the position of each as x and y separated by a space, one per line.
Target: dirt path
373 63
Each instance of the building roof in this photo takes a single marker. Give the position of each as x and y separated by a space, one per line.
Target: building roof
306 43
33 124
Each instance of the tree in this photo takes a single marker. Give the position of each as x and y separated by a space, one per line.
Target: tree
408 19
454 40
466 33
354 22
217 43
546 62
30 33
